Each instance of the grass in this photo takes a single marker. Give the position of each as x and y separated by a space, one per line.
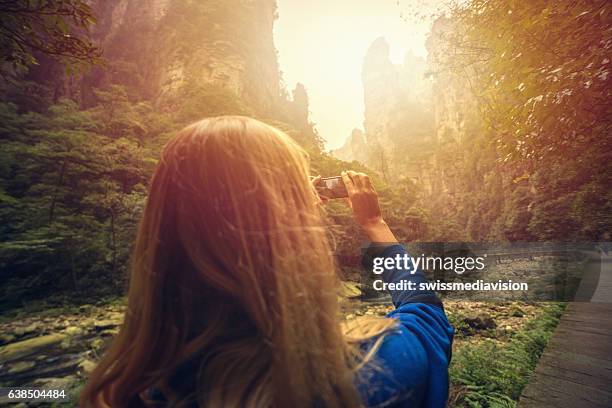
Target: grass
492 375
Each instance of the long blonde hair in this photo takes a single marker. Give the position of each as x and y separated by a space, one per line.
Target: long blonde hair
232 266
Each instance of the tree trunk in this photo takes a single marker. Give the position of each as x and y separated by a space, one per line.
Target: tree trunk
60 181
113 245
75 284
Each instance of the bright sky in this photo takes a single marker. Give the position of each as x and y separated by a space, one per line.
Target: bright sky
321 43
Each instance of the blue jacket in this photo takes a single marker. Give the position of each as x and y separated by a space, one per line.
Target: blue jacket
412 360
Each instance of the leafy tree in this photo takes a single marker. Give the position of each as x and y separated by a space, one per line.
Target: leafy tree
70 201
56 28
119 116
538 80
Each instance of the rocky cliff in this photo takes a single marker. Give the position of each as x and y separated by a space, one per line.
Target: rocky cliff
398 116
380 94
452 100
158 47
450 89
354 148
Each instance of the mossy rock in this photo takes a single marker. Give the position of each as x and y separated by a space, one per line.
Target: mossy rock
6 338
517 312
100 325
21 366
350 289
27 347
483 321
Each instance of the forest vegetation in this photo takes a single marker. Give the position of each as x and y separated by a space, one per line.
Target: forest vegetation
529 161
76 158
508 141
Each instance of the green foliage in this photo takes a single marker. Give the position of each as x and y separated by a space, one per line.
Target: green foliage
530 81
490 375
52 28
73 185
195 101
71 197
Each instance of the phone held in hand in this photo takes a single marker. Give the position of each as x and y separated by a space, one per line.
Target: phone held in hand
332 187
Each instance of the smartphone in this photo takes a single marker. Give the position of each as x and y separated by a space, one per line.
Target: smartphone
332 187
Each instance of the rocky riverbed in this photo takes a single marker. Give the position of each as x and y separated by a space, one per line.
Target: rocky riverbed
56 349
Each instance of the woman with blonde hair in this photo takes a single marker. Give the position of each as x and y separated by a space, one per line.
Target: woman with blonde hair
233 297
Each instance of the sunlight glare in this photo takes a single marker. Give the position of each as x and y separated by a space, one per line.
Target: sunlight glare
322 45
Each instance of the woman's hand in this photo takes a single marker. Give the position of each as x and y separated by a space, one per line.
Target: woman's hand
363 200
316 182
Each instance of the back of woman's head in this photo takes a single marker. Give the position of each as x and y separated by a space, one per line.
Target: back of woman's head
232 269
